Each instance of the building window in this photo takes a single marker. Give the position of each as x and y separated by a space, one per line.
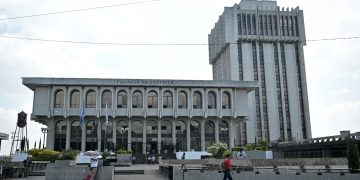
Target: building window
211 100
106 99
244 23
197 103
75 135
152 100
122 99
266 27
75 99
195 140
241 72
122 130
209 133
248 19
91 99
253 25
239 24
137 100
226 100
182 102
59 99
223 131
91 131
60 136
275 25
180 135
167 100
261 28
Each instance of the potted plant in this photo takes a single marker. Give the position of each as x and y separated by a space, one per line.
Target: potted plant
67 158
44 155
124 157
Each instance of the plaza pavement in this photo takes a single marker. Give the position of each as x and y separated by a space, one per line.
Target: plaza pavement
151 172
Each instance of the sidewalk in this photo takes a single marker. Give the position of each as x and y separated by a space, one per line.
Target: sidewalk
151 172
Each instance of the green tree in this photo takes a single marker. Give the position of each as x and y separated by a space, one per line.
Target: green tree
352 156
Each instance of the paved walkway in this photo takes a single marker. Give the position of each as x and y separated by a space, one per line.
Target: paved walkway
151 173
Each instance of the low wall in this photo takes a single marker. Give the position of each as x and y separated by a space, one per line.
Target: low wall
78 172
214 175
261 162
267 169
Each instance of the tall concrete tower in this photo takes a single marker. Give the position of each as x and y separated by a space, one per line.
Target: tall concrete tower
256 40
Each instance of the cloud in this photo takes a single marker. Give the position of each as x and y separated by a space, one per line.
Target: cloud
333 118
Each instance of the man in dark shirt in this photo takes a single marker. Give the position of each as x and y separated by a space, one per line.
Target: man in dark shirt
227 167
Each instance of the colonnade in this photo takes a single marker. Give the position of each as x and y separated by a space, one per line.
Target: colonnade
185 134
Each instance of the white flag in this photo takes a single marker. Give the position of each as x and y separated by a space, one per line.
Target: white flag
106 114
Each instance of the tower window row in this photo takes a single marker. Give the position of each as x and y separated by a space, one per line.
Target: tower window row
267 25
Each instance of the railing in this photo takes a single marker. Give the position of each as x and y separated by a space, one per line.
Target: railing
276 170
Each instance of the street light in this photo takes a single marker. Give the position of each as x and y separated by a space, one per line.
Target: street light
44 131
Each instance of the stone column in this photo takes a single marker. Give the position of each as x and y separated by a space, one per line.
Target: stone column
188 143
231 134
114 133
129 136
51 134
159 137
83 136
99 135
202 131
173 131
68 126
144 137
216 131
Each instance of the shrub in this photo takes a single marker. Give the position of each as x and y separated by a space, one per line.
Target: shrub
44 155
352 156
263 145
218 150
68 154
105 154
122 151
249 147
236 148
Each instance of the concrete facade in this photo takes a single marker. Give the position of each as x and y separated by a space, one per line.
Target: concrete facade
255 40
208 111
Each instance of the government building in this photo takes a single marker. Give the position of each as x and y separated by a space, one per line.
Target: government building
256 40
143 114
258 93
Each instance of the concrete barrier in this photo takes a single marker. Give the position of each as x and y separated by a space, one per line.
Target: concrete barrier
214 175
78 172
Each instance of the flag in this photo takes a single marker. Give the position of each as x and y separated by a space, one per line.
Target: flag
82 114
106 114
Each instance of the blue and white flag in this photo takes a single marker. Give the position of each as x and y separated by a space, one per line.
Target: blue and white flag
82 114
106 114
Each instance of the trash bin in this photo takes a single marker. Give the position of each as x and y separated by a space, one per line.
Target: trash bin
171 177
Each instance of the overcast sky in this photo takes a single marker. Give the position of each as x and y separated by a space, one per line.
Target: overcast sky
332 67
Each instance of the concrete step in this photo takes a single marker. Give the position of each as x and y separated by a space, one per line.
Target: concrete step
36 173
128 171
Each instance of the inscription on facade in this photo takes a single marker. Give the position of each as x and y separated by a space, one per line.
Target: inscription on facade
143 82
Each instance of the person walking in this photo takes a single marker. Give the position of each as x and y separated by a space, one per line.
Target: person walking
227 168
93 168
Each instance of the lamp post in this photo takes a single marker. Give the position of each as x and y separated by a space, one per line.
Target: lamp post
44 131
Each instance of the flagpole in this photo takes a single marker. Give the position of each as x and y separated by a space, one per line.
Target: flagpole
106 125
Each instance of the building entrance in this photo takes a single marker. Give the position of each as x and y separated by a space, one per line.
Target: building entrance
151 147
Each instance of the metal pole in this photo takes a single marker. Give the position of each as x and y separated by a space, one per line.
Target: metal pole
106 134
